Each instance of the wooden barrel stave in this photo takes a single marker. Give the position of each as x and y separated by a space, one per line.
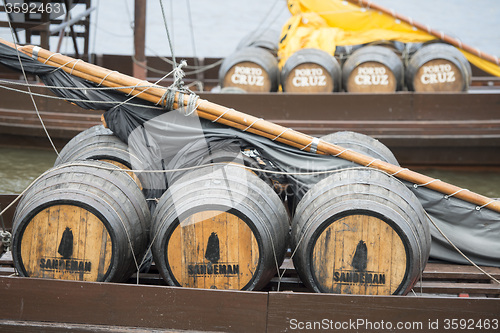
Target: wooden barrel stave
239 199
72 196
252 69
363 144
373 69
99 143
324 73
359 204
355 141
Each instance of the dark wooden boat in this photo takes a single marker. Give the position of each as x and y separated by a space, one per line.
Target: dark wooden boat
420 128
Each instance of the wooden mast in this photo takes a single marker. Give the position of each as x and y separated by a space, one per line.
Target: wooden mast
139 67
245 122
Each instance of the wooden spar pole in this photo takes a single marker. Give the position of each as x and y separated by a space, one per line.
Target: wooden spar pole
139 67
436 33
245 122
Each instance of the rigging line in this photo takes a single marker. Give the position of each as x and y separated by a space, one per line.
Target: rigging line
29 89
255 35
142 91
172 25
168 34
96 18
14 83
459 251
79 100
191 29
197 69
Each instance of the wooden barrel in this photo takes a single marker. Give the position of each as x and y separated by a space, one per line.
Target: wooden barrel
438 67
357 142
311 71
219 228
360 231
98 143
363 144
373 69
342 52
81 222
252 69
221 155
266 39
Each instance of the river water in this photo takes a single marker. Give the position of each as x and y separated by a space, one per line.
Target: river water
19 167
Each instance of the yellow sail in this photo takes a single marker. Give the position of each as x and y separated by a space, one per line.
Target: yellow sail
326 24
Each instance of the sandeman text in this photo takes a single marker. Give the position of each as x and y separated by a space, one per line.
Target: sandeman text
213 269
66 265
353 277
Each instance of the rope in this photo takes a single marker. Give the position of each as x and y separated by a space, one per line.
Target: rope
486 204
105 77
456 192
429 182
191 29
15 83
286 129
76 99
460 252
168 34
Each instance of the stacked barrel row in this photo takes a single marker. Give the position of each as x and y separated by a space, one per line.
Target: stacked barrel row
378 67
221 226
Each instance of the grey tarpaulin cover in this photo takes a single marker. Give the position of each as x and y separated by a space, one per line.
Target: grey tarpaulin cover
168 140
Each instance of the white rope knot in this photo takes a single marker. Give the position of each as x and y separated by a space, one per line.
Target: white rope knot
179 74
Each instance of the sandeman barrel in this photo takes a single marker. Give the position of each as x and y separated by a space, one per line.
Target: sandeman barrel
311 71
354 141
438 67
83 220
363 144
360 231
219 228
373 69
218 154
98 143
252 69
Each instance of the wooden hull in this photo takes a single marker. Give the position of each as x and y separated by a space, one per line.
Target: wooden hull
29 302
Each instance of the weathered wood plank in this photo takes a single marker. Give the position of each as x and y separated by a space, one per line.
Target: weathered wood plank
458 272
11 326
73 302
458 288
288 310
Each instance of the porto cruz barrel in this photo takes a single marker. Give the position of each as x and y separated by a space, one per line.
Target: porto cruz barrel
252 69
373 69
